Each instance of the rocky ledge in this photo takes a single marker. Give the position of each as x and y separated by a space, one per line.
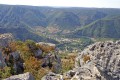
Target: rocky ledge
5 39
100 61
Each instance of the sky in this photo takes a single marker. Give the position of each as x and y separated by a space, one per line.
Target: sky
66 3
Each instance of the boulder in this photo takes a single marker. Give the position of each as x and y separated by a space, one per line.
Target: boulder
52 60
52 76
25 76
38 53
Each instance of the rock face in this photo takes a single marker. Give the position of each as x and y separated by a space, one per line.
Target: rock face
18 62
100 61
15 60
25 76
5 39
52 60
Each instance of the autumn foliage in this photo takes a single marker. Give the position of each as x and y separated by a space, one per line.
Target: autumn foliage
86 58
32 63
68 62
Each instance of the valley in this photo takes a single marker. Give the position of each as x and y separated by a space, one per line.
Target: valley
63 43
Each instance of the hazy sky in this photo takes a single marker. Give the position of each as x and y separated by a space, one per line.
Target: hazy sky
66 3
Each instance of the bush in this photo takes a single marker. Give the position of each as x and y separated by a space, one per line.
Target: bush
86 58
32 63
68 62
5 72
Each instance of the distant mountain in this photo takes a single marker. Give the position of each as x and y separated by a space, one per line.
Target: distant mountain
15 16
107 28
64 20
23 21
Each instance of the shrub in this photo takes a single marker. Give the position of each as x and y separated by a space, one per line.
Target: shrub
5 72
41 72
86 58
32 63
68 62
13 46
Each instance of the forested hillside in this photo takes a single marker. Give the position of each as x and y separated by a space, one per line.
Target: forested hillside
50 23
107 28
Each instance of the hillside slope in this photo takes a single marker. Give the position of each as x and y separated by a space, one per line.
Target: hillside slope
105 28
60 20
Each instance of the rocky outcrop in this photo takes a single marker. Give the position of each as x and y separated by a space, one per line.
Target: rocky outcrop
13 57
14 60
50 56
52 60
18 62
100 61
25 76
5 39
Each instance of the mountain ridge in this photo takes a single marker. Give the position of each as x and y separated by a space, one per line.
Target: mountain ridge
101 28
63 19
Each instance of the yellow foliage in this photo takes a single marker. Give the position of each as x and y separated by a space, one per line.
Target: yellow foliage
86 58
33 66
32 63
41 72
13 46
5 72
68 62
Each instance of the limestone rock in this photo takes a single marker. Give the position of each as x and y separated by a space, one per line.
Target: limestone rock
99 61
104 58
5 39
17 62
52 76
25 76
52 60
